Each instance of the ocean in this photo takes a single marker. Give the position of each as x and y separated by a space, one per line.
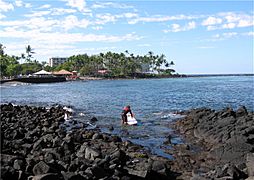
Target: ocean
153 101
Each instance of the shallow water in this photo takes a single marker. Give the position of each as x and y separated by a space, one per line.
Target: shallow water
153 101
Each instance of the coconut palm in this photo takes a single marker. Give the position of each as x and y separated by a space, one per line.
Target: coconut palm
1 50
29 52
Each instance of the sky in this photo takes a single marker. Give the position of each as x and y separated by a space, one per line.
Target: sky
201 37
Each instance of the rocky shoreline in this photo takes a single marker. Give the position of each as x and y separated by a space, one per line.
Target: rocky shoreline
36 145
218 144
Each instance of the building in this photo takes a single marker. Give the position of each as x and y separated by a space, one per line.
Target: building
55 61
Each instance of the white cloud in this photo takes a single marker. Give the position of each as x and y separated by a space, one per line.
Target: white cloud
223 36
245 23
231 16
38 14
108 17
160 18
105 18
45 6
18 3
251 33
232 20
5 7
130 15
191 25
211 21
79 4
2 16
28 5
210 28
110 5
72 21
97 28
66 38
177 27
149 19
47 24
62 11
38 23
216 36
230 34
229 26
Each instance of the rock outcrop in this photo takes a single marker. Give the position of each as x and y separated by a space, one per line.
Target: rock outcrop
35 145
225 141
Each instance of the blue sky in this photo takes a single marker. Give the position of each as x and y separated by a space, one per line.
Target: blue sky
199 36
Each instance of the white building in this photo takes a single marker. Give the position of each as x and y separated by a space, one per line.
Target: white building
55 61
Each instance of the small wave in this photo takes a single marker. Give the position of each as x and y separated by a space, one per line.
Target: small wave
157 113
172 116
81 114
14 84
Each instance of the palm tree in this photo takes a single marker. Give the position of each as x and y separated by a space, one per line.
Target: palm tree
22 57
29 52
2 50
44 63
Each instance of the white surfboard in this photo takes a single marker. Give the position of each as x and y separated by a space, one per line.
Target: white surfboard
131 120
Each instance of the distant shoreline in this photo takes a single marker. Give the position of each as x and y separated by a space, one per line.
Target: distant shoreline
85 78
213 75
159 77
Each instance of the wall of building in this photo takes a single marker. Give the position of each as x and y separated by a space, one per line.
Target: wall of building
55 61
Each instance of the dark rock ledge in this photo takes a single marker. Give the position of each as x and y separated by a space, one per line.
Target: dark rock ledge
218 144
35 146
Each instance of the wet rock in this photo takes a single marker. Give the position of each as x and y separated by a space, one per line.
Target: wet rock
230 171
228 112
19 164
111 128
138 173
96 136
118 156
72 176
94 119
7 159
48 176
91 153
241 111
41 168
225 137
18 135
98 172
8 173
160 167
250 164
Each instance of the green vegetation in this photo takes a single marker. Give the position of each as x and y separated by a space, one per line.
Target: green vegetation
110 64
117 65
10 65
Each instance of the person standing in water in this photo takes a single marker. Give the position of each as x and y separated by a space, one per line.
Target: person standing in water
126 109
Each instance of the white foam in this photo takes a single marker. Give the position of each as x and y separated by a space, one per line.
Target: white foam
172 116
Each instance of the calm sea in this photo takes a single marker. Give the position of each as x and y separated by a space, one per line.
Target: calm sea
153 101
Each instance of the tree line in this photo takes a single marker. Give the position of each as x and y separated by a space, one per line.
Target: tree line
123 64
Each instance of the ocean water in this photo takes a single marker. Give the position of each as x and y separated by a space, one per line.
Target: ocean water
153 101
